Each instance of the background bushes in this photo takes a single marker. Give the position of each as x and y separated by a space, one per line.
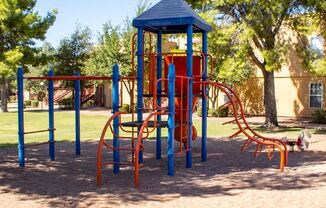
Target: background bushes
319 117
213 112
66 104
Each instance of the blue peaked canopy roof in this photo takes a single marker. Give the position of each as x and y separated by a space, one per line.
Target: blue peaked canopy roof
171 16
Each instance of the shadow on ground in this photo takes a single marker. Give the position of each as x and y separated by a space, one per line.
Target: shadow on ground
70 180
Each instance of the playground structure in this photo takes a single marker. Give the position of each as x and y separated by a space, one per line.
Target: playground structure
183 80
171 82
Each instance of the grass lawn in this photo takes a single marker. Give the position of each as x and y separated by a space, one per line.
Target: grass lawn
92 125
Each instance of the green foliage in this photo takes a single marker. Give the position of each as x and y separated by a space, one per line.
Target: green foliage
142 6
34 103
201 5
199 112
66 104
309 25
27 103
248 35
319 117
20 26
223 112
248 32
92 124
73 52
106 53
114 48
212 112
12 98
46 56
90 103
125 108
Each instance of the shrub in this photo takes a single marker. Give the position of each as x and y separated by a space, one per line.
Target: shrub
319 117
90 103
223 112
199 112
66 104
12 98
27 103
34 103
125 108
212 112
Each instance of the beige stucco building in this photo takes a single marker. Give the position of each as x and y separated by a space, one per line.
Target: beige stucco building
299 93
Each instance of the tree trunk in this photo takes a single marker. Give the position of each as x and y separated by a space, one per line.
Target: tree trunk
4 94
269 100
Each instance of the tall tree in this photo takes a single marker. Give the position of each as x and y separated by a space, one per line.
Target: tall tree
106 53
114 47
20 26
258 26
73 52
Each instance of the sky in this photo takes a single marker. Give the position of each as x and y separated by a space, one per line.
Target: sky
90 13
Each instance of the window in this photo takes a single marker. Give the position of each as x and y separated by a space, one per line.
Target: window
316 95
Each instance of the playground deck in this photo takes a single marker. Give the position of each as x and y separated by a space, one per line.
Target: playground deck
229 178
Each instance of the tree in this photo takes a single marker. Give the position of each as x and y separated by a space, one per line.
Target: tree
46 61
256 36
73 52
114 47
106 53
20 26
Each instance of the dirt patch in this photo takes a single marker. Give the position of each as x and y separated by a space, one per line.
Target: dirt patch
229 178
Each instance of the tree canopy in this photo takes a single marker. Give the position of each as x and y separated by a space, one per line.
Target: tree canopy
247 33
20 27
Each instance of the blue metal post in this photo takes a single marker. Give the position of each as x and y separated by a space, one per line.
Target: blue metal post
77 113
189 74
204 102
115 104
51 115
159 91
171 87
140 87
21 142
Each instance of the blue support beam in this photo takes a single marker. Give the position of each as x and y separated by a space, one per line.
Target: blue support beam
77 113
115 105
204 101
190 92
171 126
140 81
159 89
21 139
51 115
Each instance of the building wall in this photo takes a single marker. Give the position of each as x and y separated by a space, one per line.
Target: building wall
292 85
108 95
292 95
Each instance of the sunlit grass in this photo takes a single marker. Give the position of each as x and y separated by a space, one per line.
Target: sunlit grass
92 125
